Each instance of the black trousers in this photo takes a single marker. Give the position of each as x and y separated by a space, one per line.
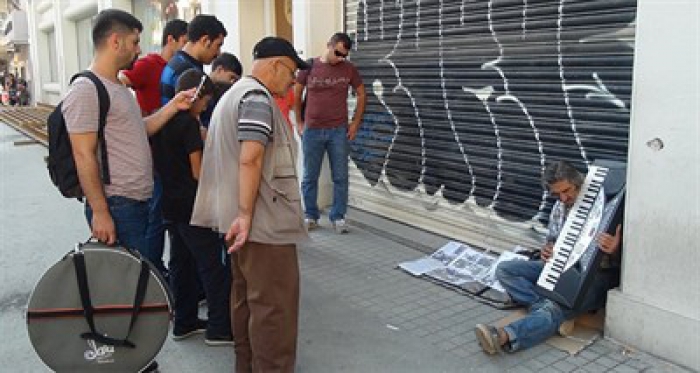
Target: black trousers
196 250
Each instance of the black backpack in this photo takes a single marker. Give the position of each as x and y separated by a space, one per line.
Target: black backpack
60 161
310 61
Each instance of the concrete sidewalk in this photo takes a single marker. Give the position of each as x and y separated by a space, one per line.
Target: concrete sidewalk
358 313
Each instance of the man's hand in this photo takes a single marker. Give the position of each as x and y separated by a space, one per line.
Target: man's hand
547 251
300 127
610 244
237 234
103 227
352 130
183 99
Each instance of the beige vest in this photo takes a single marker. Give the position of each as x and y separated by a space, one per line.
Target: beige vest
277 217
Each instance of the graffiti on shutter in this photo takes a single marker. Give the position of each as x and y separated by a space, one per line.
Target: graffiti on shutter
469 100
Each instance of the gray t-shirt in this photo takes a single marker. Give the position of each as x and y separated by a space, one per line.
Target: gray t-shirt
128 152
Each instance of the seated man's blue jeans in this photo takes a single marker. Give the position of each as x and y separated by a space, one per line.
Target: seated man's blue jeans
315 144
519 278
130 220
545 316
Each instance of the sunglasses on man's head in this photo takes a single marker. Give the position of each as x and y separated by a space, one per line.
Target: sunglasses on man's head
340 54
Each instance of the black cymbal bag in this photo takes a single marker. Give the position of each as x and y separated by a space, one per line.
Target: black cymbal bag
99 309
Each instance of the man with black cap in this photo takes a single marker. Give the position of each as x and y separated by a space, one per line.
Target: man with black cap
249 191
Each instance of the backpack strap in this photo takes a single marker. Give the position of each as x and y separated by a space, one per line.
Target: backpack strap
103 99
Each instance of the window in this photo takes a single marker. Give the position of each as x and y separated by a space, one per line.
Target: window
83 30
53 56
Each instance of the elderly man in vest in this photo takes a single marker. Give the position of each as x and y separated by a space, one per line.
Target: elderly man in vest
249 191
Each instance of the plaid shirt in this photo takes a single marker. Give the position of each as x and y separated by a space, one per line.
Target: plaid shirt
557 218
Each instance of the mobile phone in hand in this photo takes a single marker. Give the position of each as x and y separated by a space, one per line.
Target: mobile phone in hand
198 92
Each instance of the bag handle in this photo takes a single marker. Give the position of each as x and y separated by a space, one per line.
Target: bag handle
89 311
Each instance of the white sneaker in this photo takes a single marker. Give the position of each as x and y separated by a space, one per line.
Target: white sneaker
311 224
341 227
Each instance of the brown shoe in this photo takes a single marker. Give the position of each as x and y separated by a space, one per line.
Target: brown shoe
567 328
487 336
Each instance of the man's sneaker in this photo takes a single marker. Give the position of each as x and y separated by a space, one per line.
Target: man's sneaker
341 227
180 333
218 340
311 224
151 368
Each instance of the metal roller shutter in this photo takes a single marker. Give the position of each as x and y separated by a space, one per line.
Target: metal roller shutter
469 100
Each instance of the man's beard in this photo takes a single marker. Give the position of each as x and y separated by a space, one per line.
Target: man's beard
131 64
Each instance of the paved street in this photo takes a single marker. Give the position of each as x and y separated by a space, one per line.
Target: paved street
358 313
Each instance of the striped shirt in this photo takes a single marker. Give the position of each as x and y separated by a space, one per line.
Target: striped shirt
255 118
128 153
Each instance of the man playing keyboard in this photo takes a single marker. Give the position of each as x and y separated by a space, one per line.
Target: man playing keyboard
519 277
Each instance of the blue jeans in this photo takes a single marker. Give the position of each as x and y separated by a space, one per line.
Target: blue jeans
315 143
519 278
130 219
198 251
545 316
155 230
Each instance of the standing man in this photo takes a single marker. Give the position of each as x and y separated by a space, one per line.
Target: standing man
226 69
325 126
249 190
519 277
144 79
205 35
116 212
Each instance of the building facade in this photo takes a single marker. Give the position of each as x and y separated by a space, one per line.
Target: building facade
468 101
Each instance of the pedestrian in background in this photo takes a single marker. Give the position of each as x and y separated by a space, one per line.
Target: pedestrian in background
324 126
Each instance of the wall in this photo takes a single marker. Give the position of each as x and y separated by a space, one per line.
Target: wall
228 12
468 102
658 307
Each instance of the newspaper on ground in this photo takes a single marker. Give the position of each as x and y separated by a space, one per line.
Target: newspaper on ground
466 269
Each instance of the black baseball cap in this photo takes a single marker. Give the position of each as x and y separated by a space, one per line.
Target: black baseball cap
277 47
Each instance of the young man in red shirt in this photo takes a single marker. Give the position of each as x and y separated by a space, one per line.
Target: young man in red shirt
144 77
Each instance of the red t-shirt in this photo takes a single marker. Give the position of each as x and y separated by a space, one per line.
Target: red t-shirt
285 104
145 81
327 93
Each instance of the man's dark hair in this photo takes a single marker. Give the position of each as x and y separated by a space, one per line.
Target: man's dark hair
205 25
561 171
175 28
228 62
191 78
110 21
341 37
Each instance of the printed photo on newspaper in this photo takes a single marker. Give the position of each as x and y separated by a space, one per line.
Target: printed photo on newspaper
458 265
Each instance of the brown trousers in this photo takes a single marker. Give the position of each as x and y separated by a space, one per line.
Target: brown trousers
265 307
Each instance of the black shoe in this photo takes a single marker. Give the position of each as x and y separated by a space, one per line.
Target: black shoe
180 333
151 368
218 340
